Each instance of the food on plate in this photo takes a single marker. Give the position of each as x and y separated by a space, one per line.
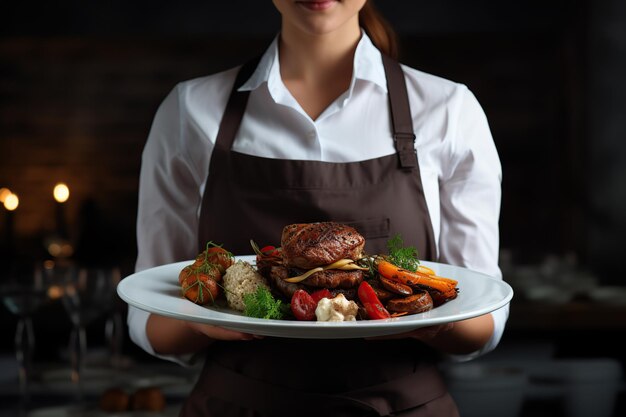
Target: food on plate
262 304
319 272
442 289
200 285
319 255
405 257
336 309
394 286
241 279
308 245
200 281
215 256
415 303
303 306
372 304
266 257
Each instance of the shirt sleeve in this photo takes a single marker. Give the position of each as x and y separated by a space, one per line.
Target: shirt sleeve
470 195
169 198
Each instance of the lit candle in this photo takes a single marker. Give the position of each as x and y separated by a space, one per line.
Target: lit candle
61 194
11 202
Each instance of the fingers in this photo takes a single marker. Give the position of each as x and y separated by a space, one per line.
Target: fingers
423 333
220 333
430 332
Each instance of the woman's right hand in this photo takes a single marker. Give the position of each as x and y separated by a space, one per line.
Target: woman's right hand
169 336
219 333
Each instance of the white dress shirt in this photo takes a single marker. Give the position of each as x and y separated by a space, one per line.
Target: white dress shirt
459 164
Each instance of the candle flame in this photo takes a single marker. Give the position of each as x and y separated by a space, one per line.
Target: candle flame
61 192
11 202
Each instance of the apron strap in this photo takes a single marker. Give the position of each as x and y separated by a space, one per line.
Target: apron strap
229 125
401 119
402 122
235 107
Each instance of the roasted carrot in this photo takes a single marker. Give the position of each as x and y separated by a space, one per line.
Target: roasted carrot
390 271
448 280
425 270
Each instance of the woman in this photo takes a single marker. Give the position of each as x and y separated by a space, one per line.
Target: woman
322 127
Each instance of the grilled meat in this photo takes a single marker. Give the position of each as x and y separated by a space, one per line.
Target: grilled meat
310 245
345 282
415 303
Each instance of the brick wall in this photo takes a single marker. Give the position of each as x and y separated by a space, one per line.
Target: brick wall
78 110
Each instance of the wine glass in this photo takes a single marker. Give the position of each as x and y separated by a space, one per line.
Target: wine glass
22 293
114 325
87 296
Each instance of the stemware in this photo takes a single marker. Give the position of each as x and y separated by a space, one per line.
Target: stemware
86 298
114 325
22 293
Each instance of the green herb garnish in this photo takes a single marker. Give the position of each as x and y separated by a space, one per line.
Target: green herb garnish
262 304
405 257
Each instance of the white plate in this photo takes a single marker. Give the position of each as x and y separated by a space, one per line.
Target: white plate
157 290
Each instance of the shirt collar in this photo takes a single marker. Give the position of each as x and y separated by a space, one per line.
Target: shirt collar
368 66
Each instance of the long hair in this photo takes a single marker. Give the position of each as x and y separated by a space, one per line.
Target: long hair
379 30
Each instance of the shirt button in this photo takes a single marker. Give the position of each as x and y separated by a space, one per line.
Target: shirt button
312 134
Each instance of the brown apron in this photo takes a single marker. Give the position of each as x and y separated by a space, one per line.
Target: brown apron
249 197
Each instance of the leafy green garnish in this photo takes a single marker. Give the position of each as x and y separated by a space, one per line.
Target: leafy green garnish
262 304
405 257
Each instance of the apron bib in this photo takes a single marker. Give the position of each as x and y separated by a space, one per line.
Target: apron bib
249 197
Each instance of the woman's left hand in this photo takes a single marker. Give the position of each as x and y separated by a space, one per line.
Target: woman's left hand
424 334
461 337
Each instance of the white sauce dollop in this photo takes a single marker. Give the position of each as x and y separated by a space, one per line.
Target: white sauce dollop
336 309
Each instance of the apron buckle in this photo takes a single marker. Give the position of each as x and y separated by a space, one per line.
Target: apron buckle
406 150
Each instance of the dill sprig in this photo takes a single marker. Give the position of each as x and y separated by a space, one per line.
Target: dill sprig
405 257
262 304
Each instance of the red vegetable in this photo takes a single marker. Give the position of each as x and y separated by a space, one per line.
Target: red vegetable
374 308
319 294
303 306
270 251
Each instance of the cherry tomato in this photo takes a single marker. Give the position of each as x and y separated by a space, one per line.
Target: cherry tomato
374 308
303 306
270 251
319 294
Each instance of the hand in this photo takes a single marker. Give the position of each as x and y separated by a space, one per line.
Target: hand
424 334
458 338
220 333
170 336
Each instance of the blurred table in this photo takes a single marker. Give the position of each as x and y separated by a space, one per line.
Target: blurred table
53 394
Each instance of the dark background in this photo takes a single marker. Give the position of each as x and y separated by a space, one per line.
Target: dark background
81 81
